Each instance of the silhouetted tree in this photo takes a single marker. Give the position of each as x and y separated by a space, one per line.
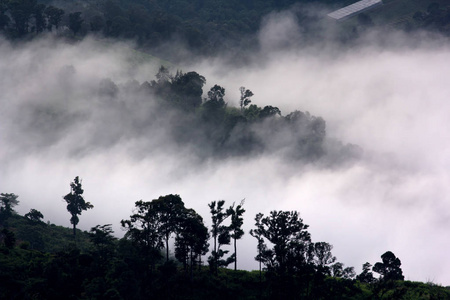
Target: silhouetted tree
389 268
261 246
235 227
34 215
76 203
8 201
143 228
245 97
287 233
366 275
323 257
269 111
170 209
338 270
216 95
220 234
191 241
188 89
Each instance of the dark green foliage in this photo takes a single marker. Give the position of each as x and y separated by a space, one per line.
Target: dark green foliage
39 17
54 16
213 128
19 18
191 241
45 237
235 227
103 267
34 215
143 230
366 276
323 257
188 89
221 236
204 27
102 239
151 227
75 22
389 268
171 213
8 201
245 97
21 12
97 23
8 238
291 242
76 203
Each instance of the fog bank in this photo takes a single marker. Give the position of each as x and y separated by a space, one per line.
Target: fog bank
59 120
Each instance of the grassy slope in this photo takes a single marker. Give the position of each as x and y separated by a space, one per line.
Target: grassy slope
46 237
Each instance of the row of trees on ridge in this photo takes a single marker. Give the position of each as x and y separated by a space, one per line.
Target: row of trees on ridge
284 245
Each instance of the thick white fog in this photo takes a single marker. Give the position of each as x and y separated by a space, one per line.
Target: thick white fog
390 99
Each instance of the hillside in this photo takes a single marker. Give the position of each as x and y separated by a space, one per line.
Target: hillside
200 27
100 269
46 237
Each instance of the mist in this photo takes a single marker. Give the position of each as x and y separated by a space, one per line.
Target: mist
71 110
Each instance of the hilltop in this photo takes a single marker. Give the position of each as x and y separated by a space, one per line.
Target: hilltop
41 261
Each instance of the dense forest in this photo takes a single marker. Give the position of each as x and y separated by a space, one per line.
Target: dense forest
205 27
201 27
162 256
174 108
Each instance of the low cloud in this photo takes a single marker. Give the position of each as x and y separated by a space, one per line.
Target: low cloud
66 112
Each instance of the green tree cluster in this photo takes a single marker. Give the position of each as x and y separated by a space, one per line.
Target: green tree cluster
21 17
218 129
134 267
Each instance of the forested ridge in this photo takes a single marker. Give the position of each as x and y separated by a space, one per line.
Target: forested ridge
204 27
177 109
168 253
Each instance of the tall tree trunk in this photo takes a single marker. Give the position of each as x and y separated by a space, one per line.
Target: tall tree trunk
215 255
167 248
191 265
235 255
74 230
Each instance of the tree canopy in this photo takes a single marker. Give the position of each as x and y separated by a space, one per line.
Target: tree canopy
102 266
76 203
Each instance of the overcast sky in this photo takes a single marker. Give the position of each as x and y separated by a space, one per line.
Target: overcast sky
390 99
